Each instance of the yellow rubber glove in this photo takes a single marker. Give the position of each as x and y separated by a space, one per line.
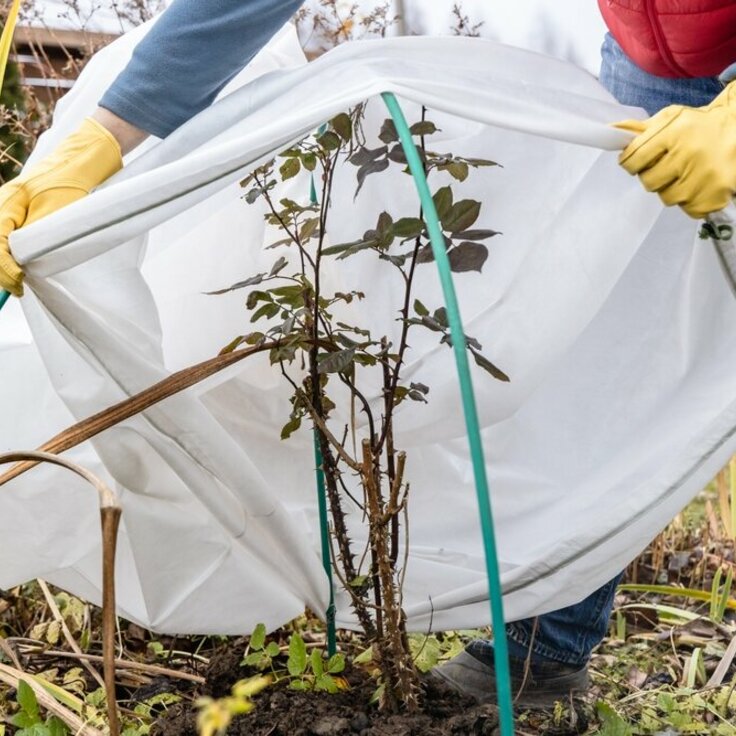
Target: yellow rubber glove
81 162
687 154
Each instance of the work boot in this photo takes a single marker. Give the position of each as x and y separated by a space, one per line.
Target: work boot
473 673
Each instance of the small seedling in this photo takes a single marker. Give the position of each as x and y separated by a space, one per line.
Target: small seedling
313 672
28 719
260 655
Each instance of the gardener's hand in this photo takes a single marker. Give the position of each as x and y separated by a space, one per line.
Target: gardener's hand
81 162
687 154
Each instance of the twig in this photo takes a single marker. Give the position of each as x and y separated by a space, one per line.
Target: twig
125 664
92 426
724 665
65 630
322 426
10 653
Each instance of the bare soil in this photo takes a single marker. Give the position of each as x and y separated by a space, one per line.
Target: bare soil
281 711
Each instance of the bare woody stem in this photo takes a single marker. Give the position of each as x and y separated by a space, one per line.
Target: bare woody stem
110 517
395 658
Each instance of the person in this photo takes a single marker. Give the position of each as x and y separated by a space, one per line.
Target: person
686 153
663 57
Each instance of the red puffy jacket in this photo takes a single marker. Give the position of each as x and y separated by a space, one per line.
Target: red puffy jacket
675 38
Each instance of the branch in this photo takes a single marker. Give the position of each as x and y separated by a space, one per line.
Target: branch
97 423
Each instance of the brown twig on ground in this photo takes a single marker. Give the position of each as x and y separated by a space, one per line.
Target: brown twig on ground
56 613
124 664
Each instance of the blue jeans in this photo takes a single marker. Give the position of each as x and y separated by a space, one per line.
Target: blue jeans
569 635
631 85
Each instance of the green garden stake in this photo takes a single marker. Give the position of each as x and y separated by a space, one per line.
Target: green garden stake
322 504
500 645
325 539
4 296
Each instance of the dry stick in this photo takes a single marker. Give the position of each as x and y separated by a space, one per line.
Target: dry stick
11 676
10 653
176 382
399 669
110 515
724 665
124 664
65 630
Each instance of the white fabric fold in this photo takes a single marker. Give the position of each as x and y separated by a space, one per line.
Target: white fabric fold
609 314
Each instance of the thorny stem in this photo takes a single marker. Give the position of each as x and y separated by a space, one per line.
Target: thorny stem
390 464
329 464
396 661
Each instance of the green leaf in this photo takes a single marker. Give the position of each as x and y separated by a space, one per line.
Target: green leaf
388 132
477 162
425 254
611 722
232 345
461 216
56 727
309 161
468 256
317 663
486 365
372 167
258 637
343 126
336 664
308 229
23 720
251 281
297 661
298 685
385 224
425 127
458 170
377 696
432 324
336 362
326 683
290 427
290 168
443 201
280 264
476 234
427 654
365 155
347 249
27 699
329 141
397 154
441 316
266 310
365 657
408 227
273 649
420 309
255 659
